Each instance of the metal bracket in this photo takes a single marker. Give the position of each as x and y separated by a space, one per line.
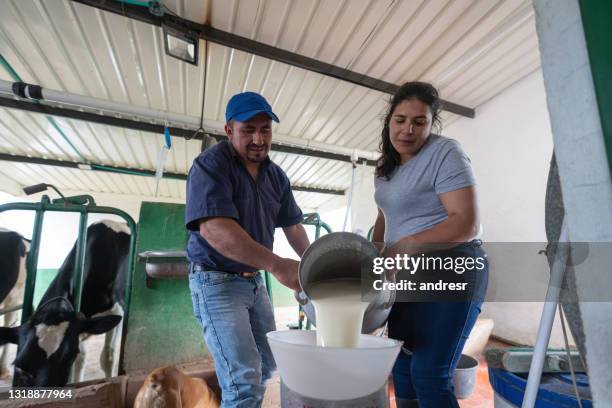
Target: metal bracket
164 265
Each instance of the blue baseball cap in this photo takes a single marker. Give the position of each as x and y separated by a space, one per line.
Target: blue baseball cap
244 106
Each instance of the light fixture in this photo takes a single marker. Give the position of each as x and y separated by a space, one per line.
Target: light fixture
181 43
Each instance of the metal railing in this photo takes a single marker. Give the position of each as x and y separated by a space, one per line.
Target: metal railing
84 205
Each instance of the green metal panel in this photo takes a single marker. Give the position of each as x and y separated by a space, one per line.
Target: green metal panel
282 295
162 326
597 23
32 263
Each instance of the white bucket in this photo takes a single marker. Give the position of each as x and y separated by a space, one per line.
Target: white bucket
332 373
464 377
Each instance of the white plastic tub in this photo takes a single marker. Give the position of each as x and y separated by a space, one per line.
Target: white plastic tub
332 373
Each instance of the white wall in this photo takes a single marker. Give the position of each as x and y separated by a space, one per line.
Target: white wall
510 146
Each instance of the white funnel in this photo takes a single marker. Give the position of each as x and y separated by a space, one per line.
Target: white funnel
332 373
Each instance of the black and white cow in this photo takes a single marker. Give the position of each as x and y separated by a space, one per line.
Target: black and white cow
52 339
13 250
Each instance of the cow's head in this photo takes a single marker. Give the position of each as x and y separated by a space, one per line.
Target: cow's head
48 342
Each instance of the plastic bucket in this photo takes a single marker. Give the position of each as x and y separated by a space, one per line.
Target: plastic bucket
464 377
556 389
332 373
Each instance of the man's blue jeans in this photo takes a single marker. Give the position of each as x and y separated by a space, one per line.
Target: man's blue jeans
235 314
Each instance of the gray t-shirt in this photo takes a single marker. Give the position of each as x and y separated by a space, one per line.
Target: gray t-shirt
409 199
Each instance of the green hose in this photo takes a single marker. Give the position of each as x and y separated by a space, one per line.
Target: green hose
10 69
136 2
155 6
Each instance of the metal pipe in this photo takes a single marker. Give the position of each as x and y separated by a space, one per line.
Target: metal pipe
110 107
154 128
32 258
119 108
326 227
162 254
168 118
131 171
548 317
128 287
79 262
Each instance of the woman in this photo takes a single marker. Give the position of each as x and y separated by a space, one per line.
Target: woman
425 194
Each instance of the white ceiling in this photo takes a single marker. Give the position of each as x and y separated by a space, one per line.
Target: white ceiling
471 49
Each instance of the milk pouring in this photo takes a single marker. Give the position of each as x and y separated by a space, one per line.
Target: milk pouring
344 256
337 366
339 310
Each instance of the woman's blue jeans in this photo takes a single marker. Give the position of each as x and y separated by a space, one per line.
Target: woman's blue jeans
235 314
434 334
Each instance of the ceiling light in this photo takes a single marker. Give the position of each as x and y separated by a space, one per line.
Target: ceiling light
181 43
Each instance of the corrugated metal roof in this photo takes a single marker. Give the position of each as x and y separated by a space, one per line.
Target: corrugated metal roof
471 49
101 182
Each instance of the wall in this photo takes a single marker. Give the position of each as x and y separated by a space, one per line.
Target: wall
510 146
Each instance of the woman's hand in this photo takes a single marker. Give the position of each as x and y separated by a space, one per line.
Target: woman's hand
407 245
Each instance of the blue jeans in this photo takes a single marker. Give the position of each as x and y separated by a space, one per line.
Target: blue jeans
434 334
235 314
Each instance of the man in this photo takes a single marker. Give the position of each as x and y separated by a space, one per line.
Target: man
236 197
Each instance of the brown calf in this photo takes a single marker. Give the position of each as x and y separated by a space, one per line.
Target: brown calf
168 387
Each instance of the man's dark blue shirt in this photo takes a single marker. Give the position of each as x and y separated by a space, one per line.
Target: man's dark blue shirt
219 185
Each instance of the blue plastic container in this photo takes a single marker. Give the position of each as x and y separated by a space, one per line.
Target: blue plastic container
556 390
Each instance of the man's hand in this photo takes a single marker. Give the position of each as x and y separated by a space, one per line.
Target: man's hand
380 246
285 270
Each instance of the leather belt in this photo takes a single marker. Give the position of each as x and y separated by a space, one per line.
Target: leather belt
476 243
196 267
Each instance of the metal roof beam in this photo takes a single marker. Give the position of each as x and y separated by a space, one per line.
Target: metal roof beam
231 40
26 105
130 171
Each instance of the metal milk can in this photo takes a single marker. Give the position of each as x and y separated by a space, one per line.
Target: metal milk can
345 255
